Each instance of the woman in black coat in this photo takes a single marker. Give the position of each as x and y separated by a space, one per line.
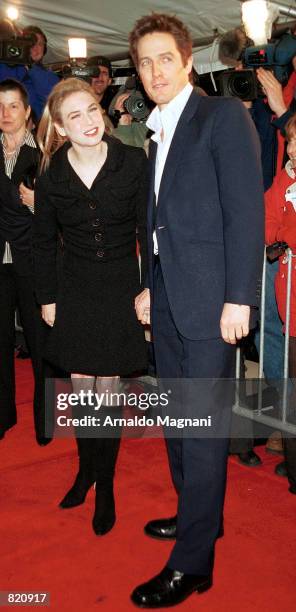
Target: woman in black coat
93 192
19 157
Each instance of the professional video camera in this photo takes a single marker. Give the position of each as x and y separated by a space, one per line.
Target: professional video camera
80 70
14 46
136 104
276 56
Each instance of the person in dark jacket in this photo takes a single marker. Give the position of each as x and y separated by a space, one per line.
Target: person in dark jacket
93 191
18 164
37 79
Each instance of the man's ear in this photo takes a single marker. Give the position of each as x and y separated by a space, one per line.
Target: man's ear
189 64
60 130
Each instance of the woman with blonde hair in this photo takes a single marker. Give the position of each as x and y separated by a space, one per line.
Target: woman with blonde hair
93 191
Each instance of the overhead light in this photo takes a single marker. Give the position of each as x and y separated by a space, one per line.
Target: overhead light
12 13
77 48
258 17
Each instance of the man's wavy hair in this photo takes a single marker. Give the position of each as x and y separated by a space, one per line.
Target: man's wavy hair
167 24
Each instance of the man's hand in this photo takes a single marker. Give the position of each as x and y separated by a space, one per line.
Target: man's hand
26 195
48 312
273 90
142 306
234 323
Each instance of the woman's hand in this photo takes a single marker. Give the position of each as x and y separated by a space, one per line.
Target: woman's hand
26 195
142 306
48 312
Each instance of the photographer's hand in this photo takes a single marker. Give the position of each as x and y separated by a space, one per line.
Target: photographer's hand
273 90
125 119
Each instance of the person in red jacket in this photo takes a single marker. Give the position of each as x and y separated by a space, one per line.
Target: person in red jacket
280 225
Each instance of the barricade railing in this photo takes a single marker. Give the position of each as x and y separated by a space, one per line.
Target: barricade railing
260 415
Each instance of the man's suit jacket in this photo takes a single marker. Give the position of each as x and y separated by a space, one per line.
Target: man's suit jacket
16 219
209 218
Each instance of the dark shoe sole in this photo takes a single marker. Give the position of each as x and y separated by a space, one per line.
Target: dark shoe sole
171 538
200 589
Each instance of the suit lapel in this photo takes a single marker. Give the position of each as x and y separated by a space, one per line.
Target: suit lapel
180 140
151 194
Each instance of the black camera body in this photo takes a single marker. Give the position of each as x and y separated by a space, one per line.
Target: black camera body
79 70
241 84
136 104
16 51
15 46
276 56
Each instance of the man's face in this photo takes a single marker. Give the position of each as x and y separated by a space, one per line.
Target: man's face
37 51
100 83
13 114
161 67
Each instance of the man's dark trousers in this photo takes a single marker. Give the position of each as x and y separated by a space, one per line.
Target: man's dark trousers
198 464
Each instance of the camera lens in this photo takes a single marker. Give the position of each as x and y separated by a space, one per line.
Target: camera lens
240 85
14 51
136 106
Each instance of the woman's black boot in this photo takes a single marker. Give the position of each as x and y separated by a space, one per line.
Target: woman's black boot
106 455
85 478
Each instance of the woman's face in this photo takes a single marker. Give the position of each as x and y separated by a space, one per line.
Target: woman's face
81 119
291 149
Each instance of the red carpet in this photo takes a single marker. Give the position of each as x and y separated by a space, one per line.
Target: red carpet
46 549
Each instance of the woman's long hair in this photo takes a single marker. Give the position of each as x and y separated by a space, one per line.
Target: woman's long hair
48 138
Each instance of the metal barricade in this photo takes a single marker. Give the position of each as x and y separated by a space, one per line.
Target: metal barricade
260 414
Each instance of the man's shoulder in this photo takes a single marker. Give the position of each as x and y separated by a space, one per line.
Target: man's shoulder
219 103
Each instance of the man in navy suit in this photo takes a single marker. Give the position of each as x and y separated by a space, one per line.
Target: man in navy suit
205 240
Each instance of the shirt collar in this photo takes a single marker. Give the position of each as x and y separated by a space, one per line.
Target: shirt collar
290 170
28 140
168 118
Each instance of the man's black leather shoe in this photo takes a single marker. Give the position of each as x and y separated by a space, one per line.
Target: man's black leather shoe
169 588
250 459
162 529
166 529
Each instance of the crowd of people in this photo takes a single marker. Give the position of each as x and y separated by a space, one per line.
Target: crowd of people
79 200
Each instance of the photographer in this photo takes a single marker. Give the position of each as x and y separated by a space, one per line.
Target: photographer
118 121
37 80
232 47
128 130
101 86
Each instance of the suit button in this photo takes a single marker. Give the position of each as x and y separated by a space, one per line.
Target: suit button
92 205
96 222
100 253
98 237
